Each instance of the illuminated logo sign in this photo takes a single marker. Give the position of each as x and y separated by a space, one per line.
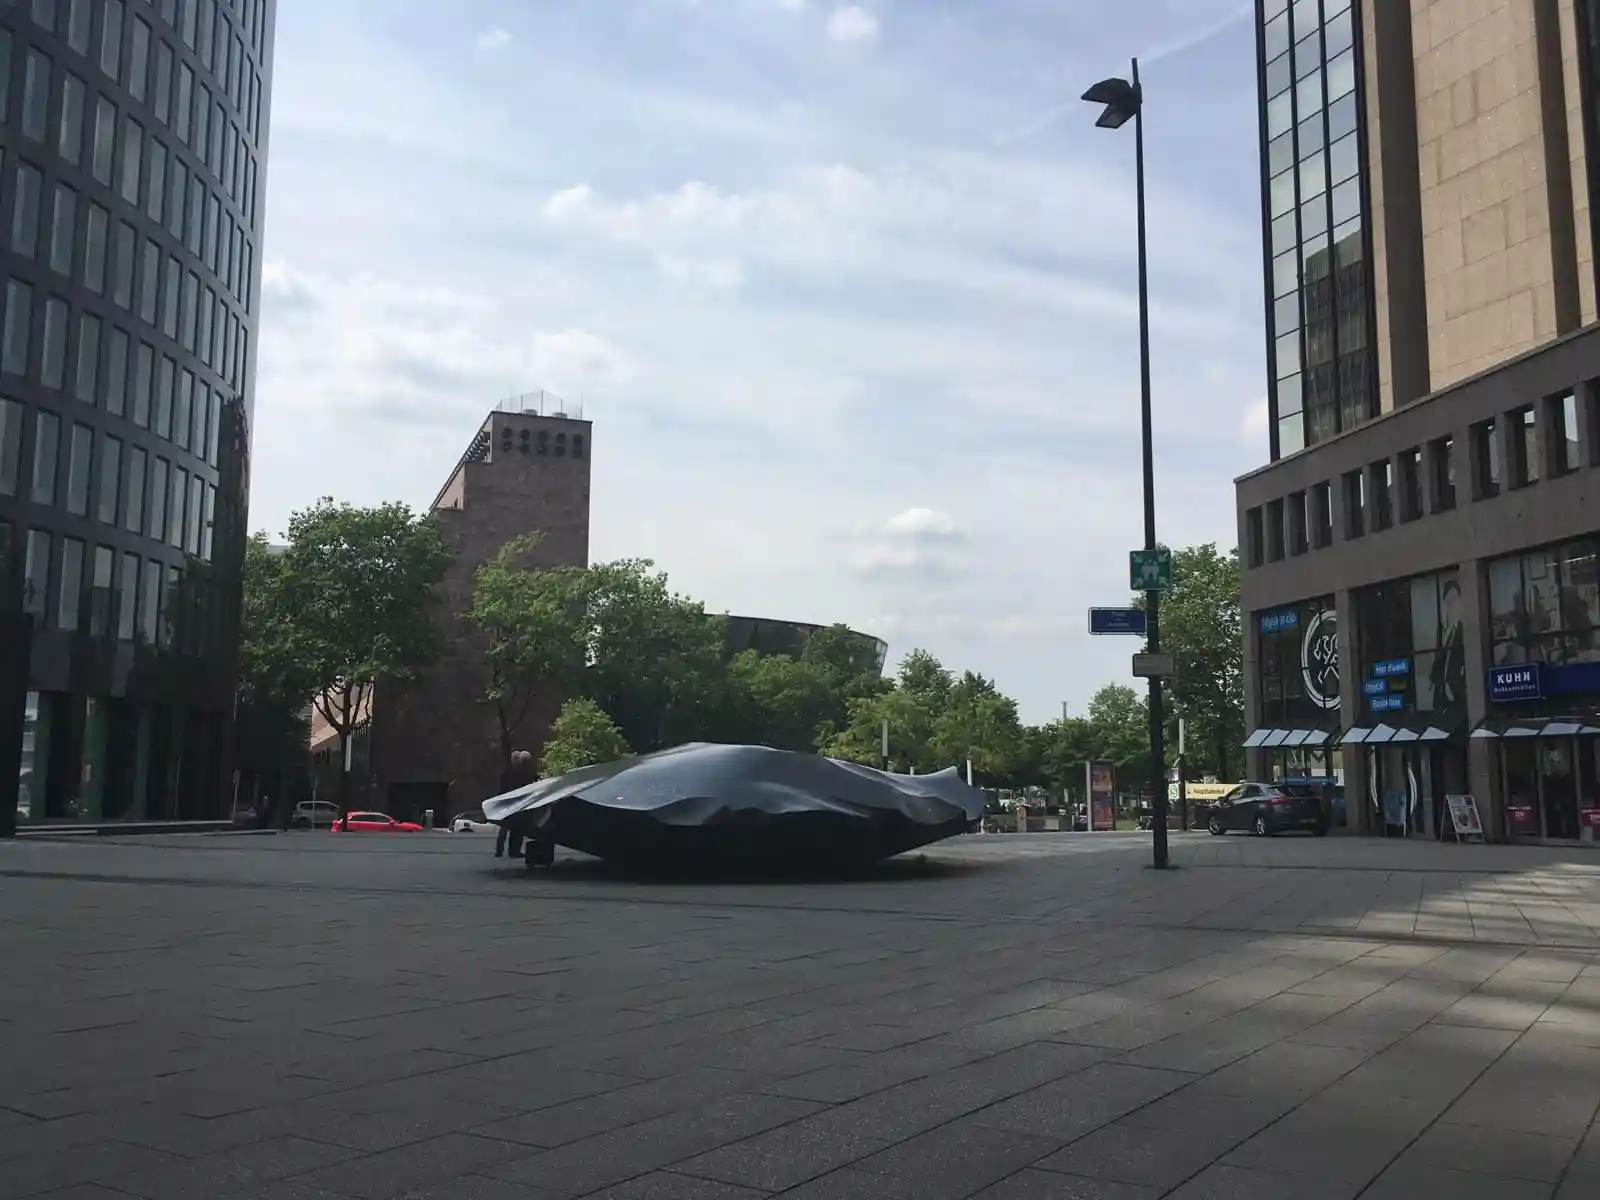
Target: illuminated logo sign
1319 659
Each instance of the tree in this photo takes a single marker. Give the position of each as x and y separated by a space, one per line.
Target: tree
655 657
273 684
848 662
1200 628
910 732
580 736
979 725
533 623
355 592
774 700
925 677
1119 731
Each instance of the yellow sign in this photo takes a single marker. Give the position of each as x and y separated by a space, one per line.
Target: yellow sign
1202 791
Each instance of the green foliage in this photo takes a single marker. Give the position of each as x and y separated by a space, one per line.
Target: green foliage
1119 731
910 733
535 630
774 700
980 725
925 677
580 736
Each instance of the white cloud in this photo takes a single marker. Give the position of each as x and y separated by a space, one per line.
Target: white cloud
921 524
852 23
494 39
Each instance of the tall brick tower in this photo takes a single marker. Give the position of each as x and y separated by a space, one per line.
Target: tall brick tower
434 742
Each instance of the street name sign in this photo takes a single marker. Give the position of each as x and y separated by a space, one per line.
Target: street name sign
1154 666
1116 620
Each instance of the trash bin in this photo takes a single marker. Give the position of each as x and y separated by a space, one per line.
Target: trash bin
427 818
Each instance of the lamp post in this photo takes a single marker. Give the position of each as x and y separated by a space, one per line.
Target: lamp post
1123 100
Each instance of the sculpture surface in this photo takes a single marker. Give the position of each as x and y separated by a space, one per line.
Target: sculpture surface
710 804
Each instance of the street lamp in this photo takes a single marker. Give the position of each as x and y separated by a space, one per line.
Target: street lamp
1124 100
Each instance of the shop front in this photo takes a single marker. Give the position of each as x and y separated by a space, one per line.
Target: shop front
1412 727
1543 691
1297 661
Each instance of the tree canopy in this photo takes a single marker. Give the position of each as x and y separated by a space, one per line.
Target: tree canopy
581 735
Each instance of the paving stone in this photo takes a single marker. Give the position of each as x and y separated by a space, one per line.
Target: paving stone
671 1185
958 1159
1150 1156
852 1184
1220 1181
391 1173
788 1156
1030 1184
1493 1150
1409 1181
1080 1103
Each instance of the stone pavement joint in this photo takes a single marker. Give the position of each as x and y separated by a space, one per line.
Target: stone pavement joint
1007 1017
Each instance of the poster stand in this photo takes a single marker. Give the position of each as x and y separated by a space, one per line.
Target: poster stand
1465 822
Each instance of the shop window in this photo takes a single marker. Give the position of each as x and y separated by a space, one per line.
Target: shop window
1437 644
1298 662
1485 461
1562 413
1355 504
1299 541
1274 530
1322 515
1411 507
1442 471
1382 495
1544 605
1524 429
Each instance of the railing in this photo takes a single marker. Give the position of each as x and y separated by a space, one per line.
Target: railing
545 404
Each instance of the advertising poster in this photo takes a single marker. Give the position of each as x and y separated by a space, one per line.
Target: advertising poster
1102 796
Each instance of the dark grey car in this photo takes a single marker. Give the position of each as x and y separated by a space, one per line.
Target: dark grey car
1264 809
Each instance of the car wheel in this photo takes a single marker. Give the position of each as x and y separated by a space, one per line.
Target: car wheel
1260 827
1214 827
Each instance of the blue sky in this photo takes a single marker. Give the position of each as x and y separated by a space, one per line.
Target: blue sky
848 291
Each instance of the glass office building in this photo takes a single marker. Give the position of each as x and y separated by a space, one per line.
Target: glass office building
1318 245
133 141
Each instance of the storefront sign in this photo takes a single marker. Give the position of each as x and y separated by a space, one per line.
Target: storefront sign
1280 619
1102 787
1518 681
1375 687
1387 668
1464 817
1386 703
1319 659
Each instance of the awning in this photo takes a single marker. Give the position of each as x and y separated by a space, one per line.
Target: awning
1281 739
1298 737
1355 735
1320 737
1534 727
1276 738
1256 738
1381 734
1406 734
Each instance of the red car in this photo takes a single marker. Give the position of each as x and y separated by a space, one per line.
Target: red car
371 822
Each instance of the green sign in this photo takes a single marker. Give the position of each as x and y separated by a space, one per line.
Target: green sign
1150 570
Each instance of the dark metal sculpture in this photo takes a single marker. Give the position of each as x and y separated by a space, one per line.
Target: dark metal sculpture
714 805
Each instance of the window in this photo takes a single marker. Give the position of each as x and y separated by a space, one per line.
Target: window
1274 530
79 453
127 254
1485 461
105 140
100 592
97 224
1355 503
1524 447
132 158
1544 605
170 619
166 382
180 118
156 526
53 364
183 410
1381 495
71 584
5 74
19 328
191 537
1299 540
25 211
171 287
87 375
149 282
1562 413
197 204
110 488
1322 515
191 299
10 446
1411 499
190 12
143 379
197 440
117 373
163 91
78 25
128 600
46 449
36 574
35 95
213 427
175 503
63 229
133 491
175 205
44 13
202 121
208 523
156 179
111 38
69 136
150 603
139 59
208 14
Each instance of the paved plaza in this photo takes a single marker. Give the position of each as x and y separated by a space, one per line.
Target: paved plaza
1005 1017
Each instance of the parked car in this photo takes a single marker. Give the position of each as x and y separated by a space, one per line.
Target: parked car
1264 809
314 814
472 821
372 822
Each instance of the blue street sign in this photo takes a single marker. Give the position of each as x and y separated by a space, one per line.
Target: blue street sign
1386 668
1386 703
1376 687
1117 620
1519 681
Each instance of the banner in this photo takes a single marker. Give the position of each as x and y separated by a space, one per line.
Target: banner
1102 777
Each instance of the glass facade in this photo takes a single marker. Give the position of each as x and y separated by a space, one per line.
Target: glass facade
1544 605
132 141
1319 309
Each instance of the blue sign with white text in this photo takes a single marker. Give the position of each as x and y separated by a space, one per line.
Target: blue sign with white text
1376 687
1388 668
1283 618
1516 681
1386 703
1116 620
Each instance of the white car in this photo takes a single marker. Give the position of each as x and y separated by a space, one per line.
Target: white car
314 814
472 822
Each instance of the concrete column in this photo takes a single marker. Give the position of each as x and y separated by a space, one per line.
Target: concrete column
1254 760
1482 777
1588 447
1350 711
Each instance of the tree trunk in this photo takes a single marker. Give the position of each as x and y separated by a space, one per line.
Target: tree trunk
344 770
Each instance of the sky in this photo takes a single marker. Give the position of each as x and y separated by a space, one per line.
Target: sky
849 292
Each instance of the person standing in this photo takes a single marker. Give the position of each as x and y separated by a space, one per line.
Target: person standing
518 774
